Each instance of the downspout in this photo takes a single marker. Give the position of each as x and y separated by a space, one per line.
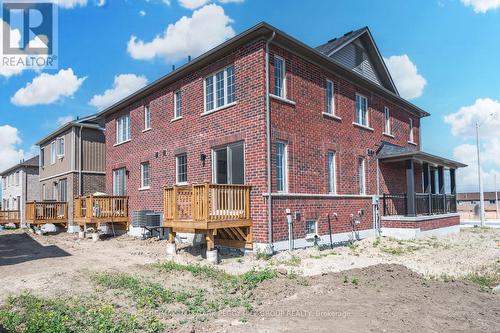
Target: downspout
80 162
270 248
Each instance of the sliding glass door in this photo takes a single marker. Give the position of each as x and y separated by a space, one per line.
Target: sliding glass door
229 164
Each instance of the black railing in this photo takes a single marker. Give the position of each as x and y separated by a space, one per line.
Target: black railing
425 204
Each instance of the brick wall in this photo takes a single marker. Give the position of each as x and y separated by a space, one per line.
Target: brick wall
438 222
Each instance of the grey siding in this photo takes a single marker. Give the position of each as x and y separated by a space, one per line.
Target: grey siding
61 165
355 57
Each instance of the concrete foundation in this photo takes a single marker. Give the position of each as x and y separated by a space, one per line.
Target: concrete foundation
413 233
171 248
213 257
72 229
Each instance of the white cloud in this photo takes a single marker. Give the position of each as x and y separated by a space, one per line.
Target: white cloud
484 110
231 1
193 4
467 178
47 88
101 3
70 3
64 120
142 13
9 147
404 72
124 85
208 27
482 6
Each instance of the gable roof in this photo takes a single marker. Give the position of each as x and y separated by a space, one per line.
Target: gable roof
32 162
92 121
333 46
264 30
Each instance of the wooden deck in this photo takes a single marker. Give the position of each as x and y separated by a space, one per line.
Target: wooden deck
10 216
94 210
47 212
221 212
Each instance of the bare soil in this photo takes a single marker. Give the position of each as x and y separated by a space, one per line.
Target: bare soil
375 285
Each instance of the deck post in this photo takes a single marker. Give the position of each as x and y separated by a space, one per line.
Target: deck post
171 246
205 202
174 206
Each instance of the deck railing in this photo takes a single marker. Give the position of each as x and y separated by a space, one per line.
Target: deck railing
7 216
46 211
101 207
207 202
425 204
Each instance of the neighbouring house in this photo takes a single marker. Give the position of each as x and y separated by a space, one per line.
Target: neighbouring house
19 185
72 164
468 204
324 141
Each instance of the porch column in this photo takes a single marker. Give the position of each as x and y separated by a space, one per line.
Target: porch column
453 182
426 169
433 181
410 188
441 187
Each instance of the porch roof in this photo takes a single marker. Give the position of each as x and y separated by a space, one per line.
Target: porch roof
389 152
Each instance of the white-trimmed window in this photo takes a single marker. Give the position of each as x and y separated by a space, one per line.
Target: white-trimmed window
181 168
145 175
17 178
387 120
411 130
361 110
44 192
332 188
60 147
281 167
177 104
311 227
147 117
42 157
123 129
220 89
279 77
53 152
119 181
330 97
362 175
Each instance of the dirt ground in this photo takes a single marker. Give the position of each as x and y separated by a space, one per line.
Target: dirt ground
375 285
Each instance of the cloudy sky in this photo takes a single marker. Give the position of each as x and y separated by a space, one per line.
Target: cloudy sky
442 54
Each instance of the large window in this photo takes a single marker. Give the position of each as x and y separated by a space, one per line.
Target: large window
60 147
330 98
281 167
119 182
362 175
63 190
177 104
145 175
53 152
332 188
181 169
220 89
387 120
123 129
279 77
147 117
411 130
361 110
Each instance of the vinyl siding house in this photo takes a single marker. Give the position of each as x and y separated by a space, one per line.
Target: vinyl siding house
19 185
264 130
72 164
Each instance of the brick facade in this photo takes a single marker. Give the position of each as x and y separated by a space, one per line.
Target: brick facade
427 224
299 122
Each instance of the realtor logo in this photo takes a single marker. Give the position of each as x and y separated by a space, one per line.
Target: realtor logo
29 34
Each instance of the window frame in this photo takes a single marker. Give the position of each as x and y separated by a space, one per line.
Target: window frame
387 121
367 118
114 174
41 157
411 136
53 152
225 90
284 187
60 147
283 77
362 175
122 129
331 171
330 100
177 165
315 227
178 104
145 165
147 117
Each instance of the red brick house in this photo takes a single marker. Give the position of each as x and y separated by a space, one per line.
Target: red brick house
343 145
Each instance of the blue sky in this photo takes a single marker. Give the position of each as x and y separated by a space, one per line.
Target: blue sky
453 45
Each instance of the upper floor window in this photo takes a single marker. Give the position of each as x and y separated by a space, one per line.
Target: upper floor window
220 89
387 120
60 147
53 152
177 104
279 77
42 157
411 130
145 175
181 168
362 175
361 110
331 173
330 98
147 117
281 167
17 178
123 129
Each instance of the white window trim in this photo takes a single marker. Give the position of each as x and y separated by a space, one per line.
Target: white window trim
58 143
332 99
367 125
411 135
214 90
177 169
332 179
124 179
285 168
128 128
176 104
308 234
387 122
143 187
147 110
53 152
284 79
363 167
